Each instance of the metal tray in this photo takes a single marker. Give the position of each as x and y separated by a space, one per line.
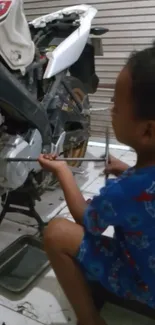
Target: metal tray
21 263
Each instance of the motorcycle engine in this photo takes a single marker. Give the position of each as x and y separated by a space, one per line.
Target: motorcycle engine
14 174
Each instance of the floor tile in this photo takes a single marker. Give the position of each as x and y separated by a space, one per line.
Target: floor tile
129 158
118 316
96 185
10 231
9 317
44 302
109 232
65 211
117 153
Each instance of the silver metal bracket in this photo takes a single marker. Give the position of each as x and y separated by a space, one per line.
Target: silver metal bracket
58 148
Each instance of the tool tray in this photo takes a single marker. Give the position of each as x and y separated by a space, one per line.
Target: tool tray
21 263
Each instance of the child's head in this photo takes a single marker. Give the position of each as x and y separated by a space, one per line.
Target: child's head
133 114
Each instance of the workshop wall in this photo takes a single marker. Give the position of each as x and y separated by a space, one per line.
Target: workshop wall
132 27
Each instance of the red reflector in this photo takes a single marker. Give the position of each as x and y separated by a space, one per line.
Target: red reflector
4 7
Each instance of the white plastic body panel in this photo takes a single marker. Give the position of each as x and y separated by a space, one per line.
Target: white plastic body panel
16 46
69 51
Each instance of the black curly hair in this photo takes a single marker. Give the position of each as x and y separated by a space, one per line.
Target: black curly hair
142 68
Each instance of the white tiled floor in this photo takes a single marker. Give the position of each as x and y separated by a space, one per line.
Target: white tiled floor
44 302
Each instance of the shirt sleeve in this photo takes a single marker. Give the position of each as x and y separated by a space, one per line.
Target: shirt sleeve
104 210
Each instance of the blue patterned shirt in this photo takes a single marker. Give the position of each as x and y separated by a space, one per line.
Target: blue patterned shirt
128 204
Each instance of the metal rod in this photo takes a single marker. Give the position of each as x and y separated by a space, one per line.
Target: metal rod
107 153
57 159
104 158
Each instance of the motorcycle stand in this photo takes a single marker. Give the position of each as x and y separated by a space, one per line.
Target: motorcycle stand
24 203
21 203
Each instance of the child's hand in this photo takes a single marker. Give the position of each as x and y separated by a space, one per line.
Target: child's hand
49 162
115 167
88 201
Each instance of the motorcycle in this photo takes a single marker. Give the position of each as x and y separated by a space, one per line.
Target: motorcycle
47 70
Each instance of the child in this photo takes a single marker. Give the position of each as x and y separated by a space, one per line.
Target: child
124 265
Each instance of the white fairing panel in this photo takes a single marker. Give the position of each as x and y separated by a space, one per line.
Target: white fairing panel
69 51
16 46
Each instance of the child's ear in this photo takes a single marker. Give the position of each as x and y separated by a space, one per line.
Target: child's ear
149 130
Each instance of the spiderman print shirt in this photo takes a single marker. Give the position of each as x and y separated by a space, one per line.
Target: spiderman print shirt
128 204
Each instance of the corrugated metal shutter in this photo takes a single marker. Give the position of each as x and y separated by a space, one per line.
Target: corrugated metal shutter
132 27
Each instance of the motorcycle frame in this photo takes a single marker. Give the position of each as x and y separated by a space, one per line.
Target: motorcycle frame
81 66
60 117
25 107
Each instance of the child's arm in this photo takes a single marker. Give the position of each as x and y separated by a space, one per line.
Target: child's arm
74 199
106 209
103 209
116 167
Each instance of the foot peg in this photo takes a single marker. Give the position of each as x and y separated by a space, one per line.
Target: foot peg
58 148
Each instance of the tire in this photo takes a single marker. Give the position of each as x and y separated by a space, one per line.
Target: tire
79 91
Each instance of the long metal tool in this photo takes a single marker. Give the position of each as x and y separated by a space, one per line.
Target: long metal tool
107 153
29 159
103 158
57 159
